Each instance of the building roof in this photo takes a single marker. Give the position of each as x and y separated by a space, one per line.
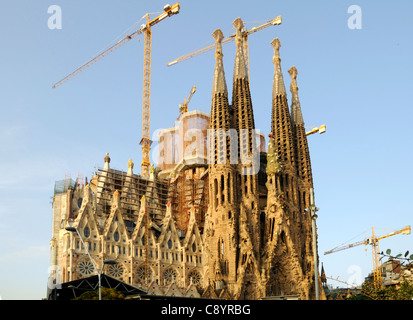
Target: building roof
72 289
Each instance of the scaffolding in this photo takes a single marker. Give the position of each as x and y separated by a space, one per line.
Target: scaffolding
186 193
61 186
131 188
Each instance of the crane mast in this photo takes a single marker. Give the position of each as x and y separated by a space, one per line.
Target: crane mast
146 29
374 242
146 124
183 107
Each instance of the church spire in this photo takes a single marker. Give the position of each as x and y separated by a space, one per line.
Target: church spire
296 114
219 83
281 127
278 81
241 96
220 115
303 154
240 67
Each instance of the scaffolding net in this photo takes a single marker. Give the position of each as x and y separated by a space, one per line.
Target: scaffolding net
62 186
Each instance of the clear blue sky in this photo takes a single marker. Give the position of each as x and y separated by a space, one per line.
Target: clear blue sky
357 82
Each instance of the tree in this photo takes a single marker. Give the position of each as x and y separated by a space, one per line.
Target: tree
401 291
107 294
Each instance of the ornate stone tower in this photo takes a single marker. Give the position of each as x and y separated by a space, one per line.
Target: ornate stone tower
304 178
248 167
288 229
300 138
221 239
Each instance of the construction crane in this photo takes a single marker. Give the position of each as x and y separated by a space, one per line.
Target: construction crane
245 34
320 129
146 30
183 107
374 242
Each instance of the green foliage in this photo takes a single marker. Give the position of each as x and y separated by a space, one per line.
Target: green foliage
404 259
402 291
107 294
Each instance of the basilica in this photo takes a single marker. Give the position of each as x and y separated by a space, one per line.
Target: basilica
222 214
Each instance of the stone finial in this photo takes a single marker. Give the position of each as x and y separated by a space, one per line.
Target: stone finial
296 114
130 167
219 83
130 164
218 36
278 82
276 44
107 161
238 25
293 72
240 67
116 199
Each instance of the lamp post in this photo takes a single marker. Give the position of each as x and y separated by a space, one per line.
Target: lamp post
314 216
108 261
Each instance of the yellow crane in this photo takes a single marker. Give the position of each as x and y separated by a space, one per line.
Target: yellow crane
374 242
146 30
320 129
245 34
183 107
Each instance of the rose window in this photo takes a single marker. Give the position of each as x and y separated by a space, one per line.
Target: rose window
169 276
141 276
115 270
195 277
86 268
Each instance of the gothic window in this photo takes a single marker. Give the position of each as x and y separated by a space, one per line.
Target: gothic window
142 275
229 187
220 248
79 202
216 192
222 189
116 270
169 276
86 232
116 236
195 277
169 244
85 268
272 222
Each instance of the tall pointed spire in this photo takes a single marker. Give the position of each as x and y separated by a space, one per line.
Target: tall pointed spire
296 114
281 127
240 67
278 82
220 115
219 83
222 209
249 158
302 151
241 95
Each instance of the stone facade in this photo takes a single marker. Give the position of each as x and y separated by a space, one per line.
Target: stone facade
233 227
